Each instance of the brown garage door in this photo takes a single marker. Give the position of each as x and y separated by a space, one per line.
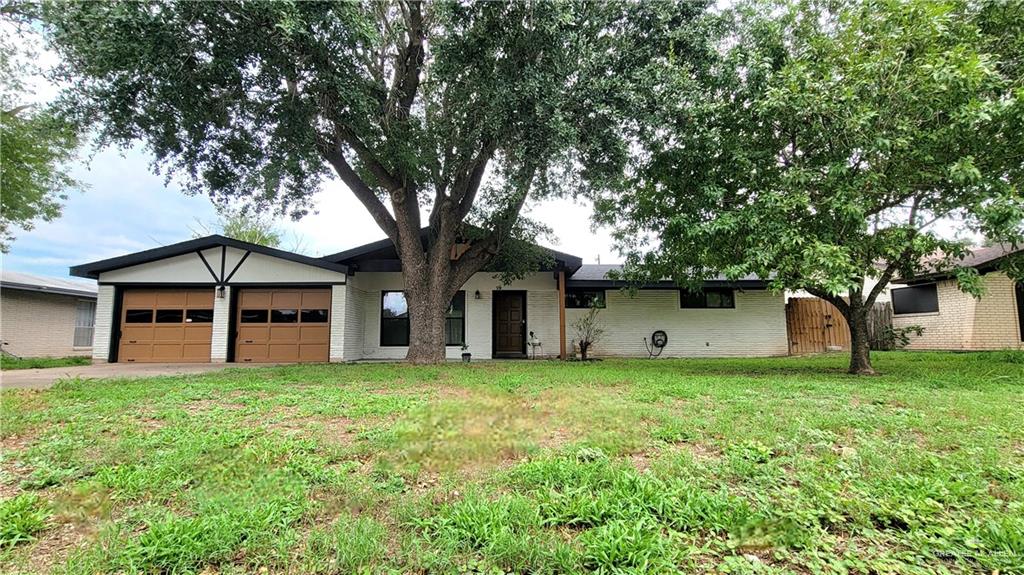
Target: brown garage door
283 325
167 325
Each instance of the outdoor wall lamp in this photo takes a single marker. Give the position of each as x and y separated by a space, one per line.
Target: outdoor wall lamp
221 291
476 295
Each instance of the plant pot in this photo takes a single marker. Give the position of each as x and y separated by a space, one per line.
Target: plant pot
466 357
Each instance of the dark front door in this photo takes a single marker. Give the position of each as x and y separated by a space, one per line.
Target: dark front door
509 324
1020 308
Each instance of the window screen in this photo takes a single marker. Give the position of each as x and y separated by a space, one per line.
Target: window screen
915 299
85 320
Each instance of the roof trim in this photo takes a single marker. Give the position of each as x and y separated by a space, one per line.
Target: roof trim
94 269
664 285
572 263
47 289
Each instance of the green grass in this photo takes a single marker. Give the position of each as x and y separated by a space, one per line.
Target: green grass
715 466
8 363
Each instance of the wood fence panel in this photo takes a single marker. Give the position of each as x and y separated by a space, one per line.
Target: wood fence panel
815 326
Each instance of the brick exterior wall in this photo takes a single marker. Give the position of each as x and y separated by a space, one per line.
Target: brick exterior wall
221 326
104 324
34 324
966 323
339 301
755 327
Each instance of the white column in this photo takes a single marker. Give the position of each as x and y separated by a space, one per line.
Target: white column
104 325
221 326
338 319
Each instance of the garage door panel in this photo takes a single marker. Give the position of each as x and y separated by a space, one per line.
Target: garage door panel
312 353
173 299
316 300
169 333
283 351
155 327
285 299
315 333
144 299
199 299
135 334
251 352
281 333
254 299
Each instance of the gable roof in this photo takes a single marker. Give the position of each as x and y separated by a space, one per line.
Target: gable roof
384 250
46 284
94 269
982 258
596 276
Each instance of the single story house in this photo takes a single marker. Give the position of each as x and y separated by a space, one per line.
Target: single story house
45 316
954 320
217 299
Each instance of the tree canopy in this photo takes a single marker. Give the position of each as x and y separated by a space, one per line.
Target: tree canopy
462 111
823 146
36 145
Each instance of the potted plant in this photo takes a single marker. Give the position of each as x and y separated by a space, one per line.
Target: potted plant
466 356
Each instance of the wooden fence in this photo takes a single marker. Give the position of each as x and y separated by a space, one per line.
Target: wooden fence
816 326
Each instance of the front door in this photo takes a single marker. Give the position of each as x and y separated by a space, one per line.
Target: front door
509 324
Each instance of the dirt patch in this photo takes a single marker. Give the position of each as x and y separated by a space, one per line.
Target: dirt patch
339 430
203 405
698 451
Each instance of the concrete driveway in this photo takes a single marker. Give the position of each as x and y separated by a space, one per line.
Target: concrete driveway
44 378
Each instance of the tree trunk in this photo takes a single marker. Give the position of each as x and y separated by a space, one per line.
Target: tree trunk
427 309
860 340
584 346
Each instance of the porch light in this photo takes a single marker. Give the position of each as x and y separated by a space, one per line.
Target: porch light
476 294
221 291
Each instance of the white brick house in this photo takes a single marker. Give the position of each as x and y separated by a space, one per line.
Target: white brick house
954 320
216 299
46 317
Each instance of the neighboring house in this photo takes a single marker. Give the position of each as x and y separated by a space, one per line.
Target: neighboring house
217 299
45 316
954 320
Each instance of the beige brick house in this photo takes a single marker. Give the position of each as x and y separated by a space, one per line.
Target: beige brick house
45 316
954 320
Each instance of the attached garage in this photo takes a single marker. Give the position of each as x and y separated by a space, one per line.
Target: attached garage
166 325
283 325
217 299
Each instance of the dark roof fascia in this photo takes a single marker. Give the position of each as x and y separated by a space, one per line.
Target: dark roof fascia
46 289
570 263
987 267
94 269
667 285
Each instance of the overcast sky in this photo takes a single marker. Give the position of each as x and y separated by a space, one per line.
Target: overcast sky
126 208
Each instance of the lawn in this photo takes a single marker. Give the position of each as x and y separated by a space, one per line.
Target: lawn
9 363
738 466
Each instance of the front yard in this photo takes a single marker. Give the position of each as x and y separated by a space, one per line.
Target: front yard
736 466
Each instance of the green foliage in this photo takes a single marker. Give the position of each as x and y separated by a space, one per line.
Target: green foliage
21 518
9 362
623 467
245 225
36 144
825 139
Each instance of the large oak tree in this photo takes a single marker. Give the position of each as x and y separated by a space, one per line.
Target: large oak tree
459 111
824 146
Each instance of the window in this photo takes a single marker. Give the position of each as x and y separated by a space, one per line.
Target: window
169 315
254 316
915 299
578 298
394 320
284 316
138 316
85 320
718 298
314 316
199 316
455 321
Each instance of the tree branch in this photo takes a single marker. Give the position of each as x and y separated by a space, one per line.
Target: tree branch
408 63
366 195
